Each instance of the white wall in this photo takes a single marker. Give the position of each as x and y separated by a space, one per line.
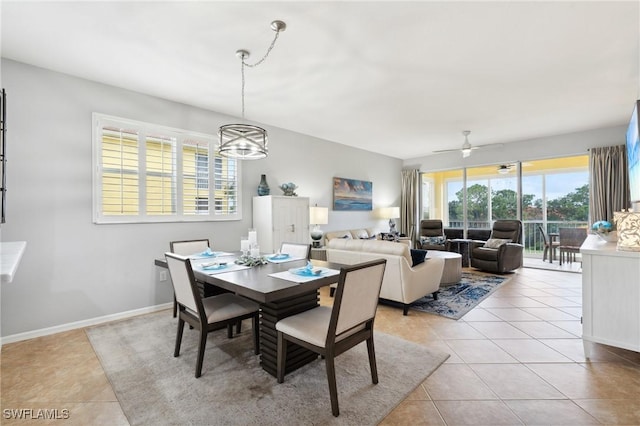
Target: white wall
74 270
535 149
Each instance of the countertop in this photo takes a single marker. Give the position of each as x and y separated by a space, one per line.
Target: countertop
10 255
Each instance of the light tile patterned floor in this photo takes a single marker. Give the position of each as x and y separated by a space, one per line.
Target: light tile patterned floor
516 359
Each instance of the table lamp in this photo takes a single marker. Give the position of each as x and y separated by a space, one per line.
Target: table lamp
318 216
390 213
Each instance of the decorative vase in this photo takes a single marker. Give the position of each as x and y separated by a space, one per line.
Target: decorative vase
263 187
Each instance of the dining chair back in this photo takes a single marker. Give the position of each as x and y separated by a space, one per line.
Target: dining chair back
570 241
206 314
550 246
296 250
189 247
186 248
330 331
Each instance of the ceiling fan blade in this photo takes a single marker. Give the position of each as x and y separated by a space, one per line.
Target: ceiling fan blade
490 145
447 150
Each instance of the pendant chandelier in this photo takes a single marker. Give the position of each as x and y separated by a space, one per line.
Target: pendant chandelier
246 141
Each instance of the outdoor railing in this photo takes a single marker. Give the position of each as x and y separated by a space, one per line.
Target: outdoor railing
533 240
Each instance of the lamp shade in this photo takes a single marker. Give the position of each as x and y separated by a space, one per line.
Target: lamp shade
318 215
389 212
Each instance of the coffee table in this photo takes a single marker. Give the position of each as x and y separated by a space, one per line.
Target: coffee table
452 273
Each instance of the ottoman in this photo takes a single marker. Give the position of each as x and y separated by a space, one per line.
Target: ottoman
452 273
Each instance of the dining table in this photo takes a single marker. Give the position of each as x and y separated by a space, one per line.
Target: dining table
279 292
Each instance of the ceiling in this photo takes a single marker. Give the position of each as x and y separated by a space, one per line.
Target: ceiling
398 78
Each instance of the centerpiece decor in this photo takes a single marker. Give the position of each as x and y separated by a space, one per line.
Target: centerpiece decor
248 260
605 230
289 189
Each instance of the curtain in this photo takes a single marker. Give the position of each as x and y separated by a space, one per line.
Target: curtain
409 198
609 187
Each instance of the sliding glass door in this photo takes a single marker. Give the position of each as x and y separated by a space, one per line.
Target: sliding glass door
554 193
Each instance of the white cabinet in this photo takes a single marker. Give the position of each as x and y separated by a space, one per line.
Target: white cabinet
610 295
279 219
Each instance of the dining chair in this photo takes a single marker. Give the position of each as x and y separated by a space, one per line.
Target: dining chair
570 241
186 248
296 250
330 331
209 313
550 245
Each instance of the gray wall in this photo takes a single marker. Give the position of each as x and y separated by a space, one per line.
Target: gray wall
76 271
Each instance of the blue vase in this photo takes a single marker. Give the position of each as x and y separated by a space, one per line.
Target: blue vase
263 187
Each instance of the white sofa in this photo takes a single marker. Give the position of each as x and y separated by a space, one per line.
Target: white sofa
402 282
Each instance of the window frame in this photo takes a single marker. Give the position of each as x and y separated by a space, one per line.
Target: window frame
144 129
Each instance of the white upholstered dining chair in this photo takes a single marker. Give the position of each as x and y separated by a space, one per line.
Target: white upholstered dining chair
209 313
187 248
330 331
296 250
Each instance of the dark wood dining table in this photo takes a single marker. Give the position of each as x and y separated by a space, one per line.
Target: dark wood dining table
278 298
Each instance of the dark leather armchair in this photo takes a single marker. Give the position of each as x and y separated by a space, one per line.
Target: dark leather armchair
431 236
496 254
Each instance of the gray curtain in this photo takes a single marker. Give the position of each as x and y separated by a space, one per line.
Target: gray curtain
409 199
609 187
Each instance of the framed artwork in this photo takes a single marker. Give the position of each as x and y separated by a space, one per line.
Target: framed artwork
352 194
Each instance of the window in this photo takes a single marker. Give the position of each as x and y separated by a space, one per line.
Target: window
554 193
151 173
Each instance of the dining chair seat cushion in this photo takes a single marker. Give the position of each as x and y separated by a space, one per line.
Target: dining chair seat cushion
227 305
311 326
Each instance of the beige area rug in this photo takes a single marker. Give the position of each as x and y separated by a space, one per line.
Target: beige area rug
154 388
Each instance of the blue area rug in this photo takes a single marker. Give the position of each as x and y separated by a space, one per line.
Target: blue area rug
456 300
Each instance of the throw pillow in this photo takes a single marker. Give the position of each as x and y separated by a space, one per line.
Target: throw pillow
494 243
432 240
417 257
373 237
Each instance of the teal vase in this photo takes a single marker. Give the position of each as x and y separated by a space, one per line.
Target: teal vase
263 186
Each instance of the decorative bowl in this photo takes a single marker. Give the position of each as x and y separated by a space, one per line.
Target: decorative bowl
610 237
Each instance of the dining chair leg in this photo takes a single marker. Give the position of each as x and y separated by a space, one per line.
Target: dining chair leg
203 342
281 357
175 306
333 388
176 351
544 253
372 360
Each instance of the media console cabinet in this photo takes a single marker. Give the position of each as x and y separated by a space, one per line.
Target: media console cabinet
610 295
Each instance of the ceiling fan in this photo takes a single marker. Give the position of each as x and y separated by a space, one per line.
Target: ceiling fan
503 169
466 146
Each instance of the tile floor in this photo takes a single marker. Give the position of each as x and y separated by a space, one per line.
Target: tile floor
515 359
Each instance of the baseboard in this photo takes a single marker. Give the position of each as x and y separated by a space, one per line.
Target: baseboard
84 323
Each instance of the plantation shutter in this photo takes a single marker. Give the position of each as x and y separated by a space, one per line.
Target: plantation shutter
160 172
120 173
195 177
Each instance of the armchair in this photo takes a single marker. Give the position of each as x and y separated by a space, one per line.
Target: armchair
502 252
431 236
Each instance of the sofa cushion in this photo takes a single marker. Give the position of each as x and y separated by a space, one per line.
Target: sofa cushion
360 234
482 253
417 256
432 240
494 243
337 234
